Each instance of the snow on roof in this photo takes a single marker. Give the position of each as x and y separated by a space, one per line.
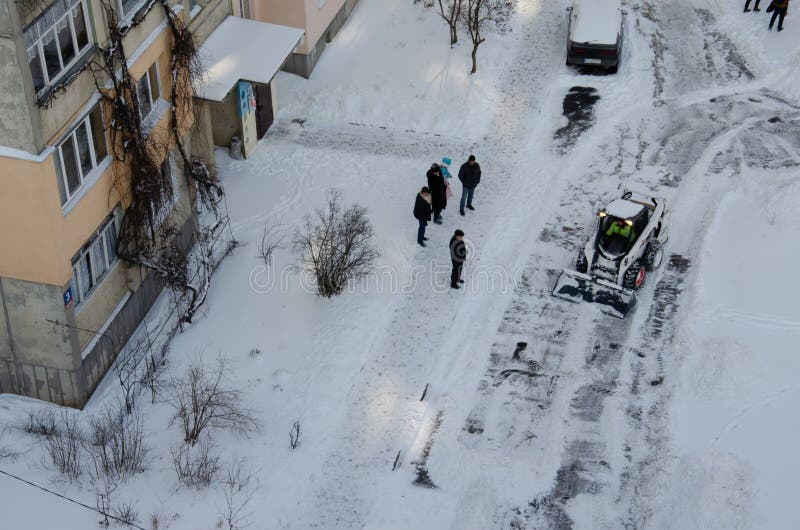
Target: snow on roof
623 209
596 21
240 49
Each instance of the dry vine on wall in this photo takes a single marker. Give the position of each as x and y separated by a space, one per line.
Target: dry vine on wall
147 234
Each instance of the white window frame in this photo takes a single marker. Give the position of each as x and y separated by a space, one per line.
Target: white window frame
71 136
126 15
35 36
154 103
100 239
195 6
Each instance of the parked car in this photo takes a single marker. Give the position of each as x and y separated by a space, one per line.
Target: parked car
595 34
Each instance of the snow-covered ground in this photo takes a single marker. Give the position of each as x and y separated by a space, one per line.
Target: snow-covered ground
680 416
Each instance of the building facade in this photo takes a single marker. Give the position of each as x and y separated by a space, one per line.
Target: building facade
321 20
67 301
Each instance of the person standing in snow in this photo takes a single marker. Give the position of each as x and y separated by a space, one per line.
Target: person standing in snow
470 177
458 255
755 7
444 167
438 187
779 8
422 212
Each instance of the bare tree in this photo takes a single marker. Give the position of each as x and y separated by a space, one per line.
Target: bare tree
4 451
238 489
336 245
126 367
271 239
479 16
117 446
195 466
64 447
450 11
41 423
202 399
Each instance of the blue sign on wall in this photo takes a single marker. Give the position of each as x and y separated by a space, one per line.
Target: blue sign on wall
68 298
247 98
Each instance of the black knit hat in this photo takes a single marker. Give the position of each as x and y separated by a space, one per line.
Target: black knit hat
471 158
459 233
425 189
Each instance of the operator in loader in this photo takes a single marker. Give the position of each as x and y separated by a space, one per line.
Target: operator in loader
620 228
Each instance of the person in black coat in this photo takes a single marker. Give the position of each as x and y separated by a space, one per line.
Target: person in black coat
422 212
755 7
470 177
458 255
438 187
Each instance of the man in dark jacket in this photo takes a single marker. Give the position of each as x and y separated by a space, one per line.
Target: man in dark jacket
458 255
470 176
422 212
780 7
438 189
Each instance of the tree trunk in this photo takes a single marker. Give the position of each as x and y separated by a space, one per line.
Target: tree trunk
453 34
475 57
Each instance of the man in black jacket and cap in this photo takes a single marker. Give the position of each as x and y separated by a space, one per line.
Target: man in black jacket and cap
458 255
470 177
438 189
422 212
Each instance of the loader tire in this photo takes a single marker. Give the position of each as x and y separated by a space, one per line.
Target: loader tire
653 256
582 264
634 277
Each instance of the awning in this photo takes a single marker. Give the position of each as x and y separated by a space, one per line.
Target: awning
247 50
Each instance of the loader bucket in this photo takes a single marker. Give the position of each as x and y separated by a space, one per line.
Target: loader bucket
577 287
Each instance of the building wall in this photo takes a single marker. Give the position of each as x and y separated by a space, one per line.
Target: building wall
17 128
287 13
225 118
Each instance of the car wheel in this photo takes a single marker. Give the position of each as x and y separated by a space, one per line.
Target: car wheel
634 277
582 264
613 69
653 256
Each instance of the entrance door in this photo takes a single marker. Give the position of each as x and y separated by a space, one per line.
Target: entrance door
264 116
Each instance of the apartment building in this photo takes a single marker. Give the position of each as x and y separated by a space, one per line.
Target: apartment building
68 303
321 20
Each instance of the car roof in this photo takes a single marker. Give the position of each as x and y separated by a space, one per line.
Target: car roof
623 209
596 22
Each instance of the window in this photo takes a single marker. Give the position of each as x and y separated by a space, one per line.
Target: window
79 154
55 40
148 91
91 264
127 6
194 7
168 173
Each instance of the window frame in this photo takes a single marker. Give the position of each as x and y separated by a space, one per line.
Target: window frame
155 67
87 254
65 193
37 42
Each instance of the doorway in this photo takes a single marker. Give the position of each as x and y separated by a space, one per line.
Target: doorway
264 116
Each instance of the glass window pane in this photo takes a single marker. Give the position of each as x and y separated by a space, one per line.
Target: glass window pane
36 68
51 59
84 154
73 283
79 23
85 273
70 165
143 92
127 5
111 243
62 191
65 40
98 134
155 91
98 253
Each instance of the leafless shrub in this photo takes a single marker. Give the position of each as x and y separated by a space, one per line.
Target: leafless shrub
202 399
41 423
294 435
255 353
127 367
480 16
64 447
125 513
336 245
155 521
271 239
450 11
4 451
117 445
153 376
238 489
195 466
